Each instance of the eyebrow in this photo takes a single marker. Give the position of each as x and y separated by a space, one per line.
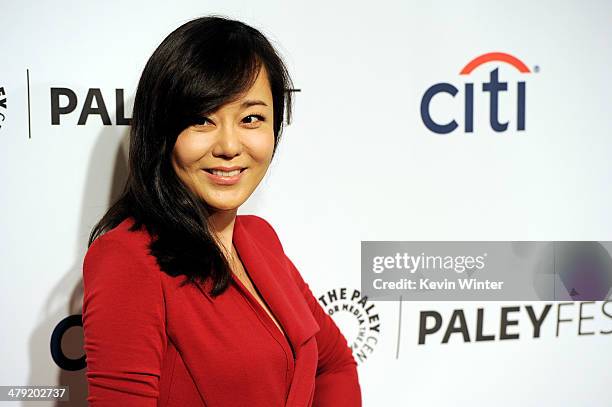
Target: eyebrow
249 103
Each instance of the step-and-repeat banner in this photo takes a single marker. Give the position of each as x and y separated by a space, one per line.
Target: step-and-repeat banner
413 121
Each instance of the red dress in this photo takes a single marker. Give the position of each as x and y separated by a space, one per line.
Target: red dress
149 342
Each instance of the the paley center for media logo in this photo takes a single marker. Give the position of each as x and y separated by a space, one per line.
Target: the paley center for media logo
357 318
443 122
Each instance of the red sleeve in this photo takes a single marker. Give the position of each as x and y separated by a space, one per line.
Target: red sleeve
123 324
337 383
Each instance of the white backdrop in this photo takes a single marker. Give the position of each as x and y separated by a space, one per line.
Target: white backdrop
357 163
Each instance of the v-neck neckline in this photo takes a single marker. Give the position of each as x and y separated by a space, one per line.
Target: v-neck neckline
279 331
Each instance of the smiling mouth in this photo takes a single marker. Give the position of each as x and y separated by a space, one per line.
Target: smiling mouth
220 173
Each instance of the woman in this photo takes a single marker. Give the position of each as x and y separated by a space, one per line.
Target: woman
185 302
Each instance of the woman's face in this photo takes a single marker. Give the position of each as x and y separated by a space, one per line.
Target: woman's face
239 134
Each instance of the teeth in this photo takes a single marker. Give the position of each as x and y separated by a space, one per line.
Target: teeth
225 173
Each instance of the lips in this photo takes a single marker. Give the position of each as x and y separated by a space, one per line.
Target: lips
222 168
222 177
222 172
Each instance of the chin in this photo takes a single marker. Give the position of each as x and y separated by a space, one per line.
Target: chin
224 201
223 206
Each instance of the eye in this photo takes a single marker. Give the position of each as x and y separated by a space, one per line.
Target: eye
202 121
250 119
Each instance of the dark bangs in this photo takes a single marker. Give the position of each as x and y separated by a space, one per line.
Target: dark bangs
218 64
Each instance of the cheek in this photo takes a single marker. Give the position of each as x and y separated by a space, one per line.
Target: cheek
188 150
261 146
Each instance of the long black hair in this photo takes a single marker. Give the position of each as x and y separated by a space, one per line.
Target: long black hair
203 64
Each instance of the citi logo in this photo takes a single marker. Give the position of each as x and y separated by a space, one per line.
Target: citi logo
494 87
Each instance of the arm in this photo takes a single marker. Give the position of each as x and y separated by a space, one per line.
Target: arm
123 325
337 383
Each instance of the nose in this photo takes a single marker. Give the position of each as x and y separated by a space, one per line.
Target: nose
228 143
